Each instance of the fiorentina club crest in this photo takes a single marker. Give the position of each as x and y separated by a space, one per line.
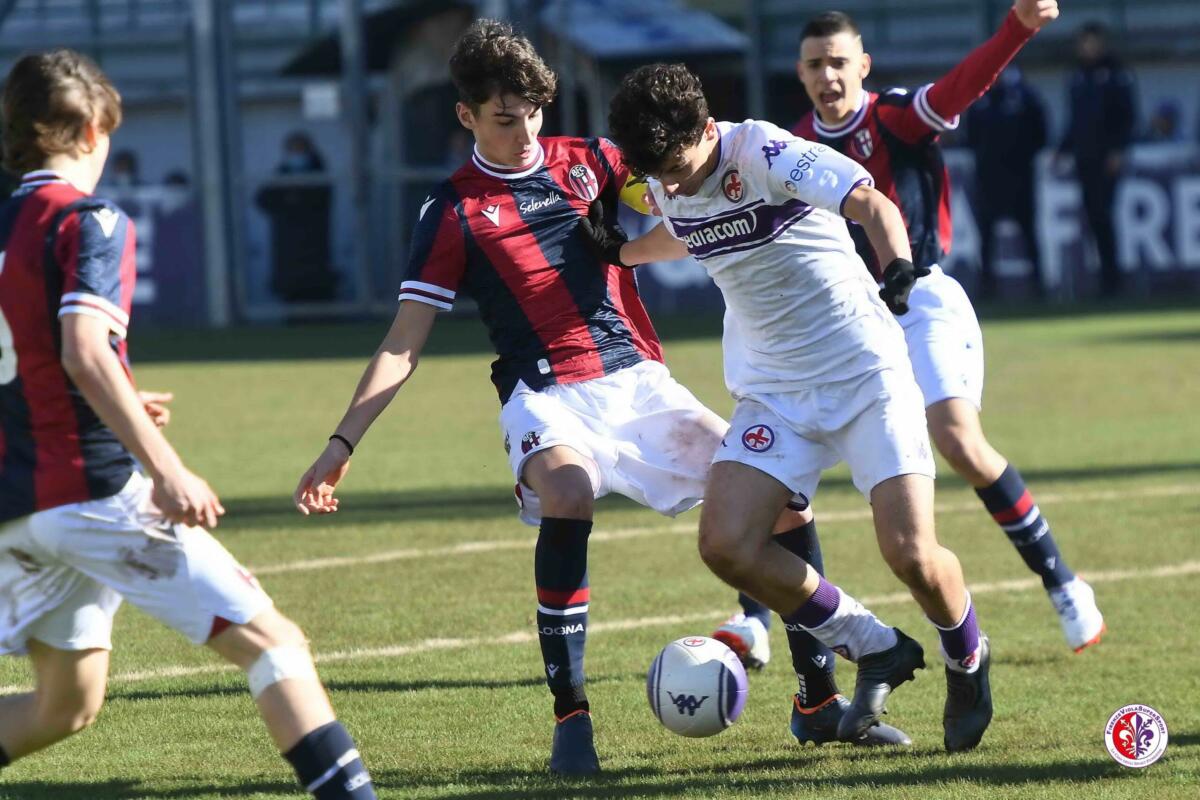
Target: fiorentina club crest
732 186
862 144
758 438
1136 736
583 182
695 641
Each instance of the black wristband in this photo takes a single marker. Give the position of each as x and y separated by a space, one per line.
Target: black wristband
343 440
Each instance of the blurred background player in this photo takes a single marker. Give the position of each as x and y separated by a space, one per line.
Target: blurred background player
588 407
1100 126
894 136
817 366
1006 128
80 527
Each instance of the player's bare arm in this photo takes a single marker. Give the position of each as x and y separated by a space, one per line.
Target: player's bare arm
884 226
90 362
657 245
392 365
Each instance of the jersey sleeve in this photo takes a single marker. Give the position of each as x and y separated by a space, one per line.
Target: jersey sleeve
799 169
95 247
935 107
437 258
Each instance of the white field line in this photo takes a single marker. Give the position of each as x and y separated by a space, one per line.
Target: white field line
620 534
529 636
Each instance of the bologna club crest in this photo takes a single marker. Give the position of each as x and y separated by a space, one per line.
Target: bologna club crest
583 182
862 144
732 186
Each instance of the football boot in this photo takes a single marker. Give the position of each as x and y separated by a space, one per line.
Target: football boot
747 637
968 709
819 725
879 674
573 751
1082 622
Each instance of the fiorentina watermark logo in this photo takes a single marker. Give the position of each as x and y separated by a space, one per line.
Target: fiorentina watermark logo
1136 736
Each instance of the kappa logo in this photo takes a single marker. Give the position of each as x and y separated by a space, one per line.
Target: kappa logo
425 207
583 182
492 212
772 149
687 703
530 441
819 661
107 218
758 438
732 186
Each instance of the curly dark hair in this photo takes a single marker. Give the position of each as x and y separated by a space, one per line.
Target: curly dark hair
491 58
49 100
658 110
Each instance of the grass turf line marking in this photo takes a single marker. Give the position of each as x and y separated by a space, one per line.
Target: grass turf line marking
621 534
524 637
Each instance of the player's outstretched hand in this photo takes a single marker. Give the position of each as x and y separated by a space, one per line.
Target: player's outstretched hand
155 404
314 493
604 237
898 280
1036 14
184 497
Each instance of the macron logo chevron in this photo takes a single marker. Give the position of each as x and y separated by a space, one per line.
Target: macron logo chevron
492 212
552 669
425 207
108 221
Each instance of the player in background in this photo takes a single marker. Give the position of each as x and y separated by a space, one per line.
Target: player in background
816 364
587 405
894 136
80 527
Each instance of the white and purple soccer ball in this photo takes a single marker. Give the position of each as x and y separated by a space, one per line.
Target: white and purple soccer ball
696 686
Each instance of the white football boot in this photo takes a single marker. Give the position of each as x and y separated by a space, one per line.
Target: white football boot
1082 623
747 637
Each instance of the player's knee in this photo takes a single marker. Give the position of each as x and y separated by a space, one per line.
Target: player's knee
913 566
62 716
729 555
245 644
567 499
961 446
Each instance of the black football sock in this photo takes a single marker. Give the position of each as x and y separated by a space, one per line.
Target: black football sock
753 608
4 759
1012 506
328 765
560 574
814 662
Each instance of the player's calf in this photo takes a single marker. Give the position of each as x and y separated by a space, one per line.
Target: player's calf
284 684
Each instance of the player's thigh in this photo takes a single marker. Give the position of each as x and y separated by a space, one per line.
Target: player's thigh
562 479
741 506
180 575
69 683
878 429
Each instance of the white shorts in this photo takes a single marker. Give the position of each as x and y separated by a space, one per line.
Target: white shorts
944 341
876 424
641 433
65 570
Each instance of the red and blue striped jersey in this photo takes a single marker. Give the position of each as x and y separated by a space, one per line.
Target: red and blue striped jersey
507 237
894 136
61 252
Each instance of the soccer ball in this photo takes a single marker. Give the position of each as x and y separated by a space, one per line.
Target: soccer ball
696 686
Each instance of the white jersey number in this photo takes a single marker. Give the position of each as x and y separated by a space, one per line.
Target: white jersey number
8 353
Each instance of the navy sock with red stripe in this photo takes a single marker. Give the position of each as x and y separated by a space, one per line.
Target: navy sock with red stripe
1012 506
560 573
753 608
328 765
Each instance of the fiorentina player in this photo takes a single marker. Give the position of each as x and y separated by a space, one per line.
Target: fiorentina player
894 136
80 527
817 366
587 405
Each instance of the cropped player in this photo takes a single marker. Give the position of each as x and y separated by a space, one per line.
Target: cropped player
588 407
815 362
80 527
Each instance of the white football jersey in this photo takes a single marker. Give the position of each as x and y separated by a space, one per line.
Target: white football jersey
801 307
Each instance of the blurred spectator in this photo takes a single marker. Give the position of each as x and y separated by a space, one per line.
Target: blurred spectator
459 148
1164 123
1100 128
123 170
1006 128
299 212
178 178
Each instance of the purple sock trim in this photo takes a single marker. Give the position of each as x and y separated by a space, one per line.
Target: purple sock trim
963 639
817 610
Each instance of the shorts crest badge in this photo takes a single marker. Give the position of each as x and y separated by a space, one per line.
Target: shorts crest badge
758 438
530 441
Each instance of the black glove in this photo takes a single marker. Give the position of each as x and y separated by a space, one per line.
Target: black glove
603 238
898 280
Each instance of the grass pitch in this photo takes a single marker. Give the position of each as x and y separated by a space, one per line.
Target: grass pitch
418 595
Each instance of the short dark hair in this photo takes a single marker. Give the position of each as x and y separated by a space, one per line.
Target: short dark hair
49 100
658 110
829 23
491 58
1094 28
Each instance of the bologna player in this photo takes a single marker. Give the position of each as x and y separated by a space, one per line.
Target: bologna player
587 405
817 366
80 527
